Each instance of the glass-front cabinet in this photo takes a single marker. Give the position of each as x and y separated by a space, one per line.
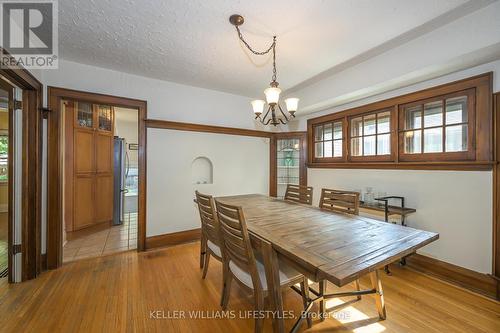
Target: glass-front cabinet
94 116
289 162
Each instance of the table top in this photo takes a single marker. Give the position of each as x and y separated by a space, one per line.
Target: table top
337 247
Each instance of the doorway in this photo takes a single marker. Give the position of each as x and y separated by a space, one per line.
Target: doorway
100 186
96 175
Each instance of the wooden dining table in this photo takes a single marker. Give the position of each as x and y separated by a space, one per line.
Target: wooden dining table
322 245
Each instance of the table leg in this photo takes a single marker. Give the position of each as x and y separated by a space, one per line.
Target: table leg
273 284
379 295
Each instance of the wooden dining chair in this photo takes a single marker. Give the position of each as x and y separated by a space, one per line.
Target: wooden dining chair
299 193
339 201
240 263
210 237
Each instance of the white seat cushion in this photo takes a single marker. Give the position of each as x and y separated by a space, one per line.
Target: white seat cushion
215 249
287 274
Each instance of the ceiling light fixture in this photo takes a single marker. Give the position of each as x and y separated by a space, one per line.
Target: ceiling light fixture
274 114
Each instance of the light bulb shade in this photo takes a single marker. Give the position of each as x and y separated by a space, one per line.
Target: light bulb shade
272 95
292 104
258 106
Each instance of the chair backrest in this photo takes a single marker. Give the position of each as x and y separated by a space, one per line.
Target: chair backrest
208 217
235 240
299 193
339 201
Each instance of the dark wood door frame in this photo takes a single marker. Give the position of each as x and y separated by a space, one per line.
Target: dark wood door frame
496 193
273 169
31 174
55 170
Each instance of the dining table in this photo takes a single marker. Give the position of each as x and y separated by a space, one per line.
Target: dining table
323 246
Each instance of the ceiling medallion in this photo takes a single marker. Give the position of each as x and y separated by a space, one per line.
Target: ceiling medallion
274 114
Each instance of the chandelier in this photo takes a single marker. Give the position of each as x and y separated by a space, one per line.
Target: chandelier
274 114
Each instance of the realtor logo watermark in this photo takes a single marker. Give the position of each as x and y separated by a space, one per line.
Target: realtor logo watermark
29 34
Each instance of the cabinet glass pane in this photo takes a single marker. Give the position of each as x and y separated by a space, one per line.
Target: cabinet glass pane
327 132
318 149
104 116
369 124
384 122
413 142
433 114
337 130
413 117
357 126
369 145
456 110
288 155
433 140
328 149
84 115
356 148
456 138
383 144
337 148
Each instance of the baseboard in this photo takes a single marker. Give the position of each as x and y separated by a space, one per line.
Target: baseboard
173 238
460 276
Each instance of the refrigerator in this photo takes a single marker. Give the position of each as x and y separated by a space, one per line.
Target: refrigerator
120 172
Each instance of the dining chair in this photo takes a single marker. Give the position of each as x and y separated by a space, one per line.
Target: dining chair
240 263
337 201
210 237
299 193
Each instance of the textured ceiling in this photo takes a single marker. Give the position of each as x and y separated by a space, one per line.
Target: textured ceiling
191 42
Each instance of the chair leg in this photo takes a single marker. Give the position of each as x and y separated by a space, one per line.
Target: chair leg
203 250
322 303
304 288
356 284
205 264
226 291
259 306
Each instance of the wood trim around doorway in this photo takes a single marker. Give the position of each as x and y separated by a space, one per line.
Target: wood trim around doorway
496 194
55 170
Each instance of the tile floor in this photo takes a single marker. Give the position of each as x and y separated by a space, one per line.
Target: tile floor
114 239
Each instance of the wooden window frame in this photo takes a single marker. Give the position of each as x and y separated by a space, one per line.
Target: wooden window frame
372 158
467 155
479 155
330 159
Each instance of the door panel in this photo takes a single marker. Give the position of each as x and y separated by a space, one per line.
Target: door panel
104 198
104 153
84 151
83 208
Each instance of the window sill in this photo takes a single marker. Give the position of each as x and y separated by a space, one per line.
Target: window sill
473 166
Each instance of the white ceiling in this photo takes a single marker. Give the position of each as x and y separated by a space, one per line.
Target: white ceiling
192 42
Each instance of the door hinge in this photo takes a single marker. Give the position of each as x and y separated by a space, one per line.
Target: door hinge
16 105
45 112
16 248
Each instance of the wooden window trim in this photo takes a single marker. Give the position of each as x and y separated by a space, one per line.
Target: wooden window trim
480 157
331 159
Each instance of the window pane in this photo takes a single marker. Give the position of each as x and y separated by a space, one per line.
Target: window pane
85 115
369 145
384 122
337 130
328 152
433 140
318 149
413 142
356 148
357 126
383 144
337 148
413 117
369 124
327 132
456 138
318 133
456 110
433 114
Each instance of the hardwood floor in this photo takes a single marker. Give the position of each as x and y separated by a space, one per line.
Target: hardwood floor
119 293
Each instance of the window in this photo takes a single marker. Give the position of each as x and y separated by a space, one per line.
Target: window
370 135
439 127
328 140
